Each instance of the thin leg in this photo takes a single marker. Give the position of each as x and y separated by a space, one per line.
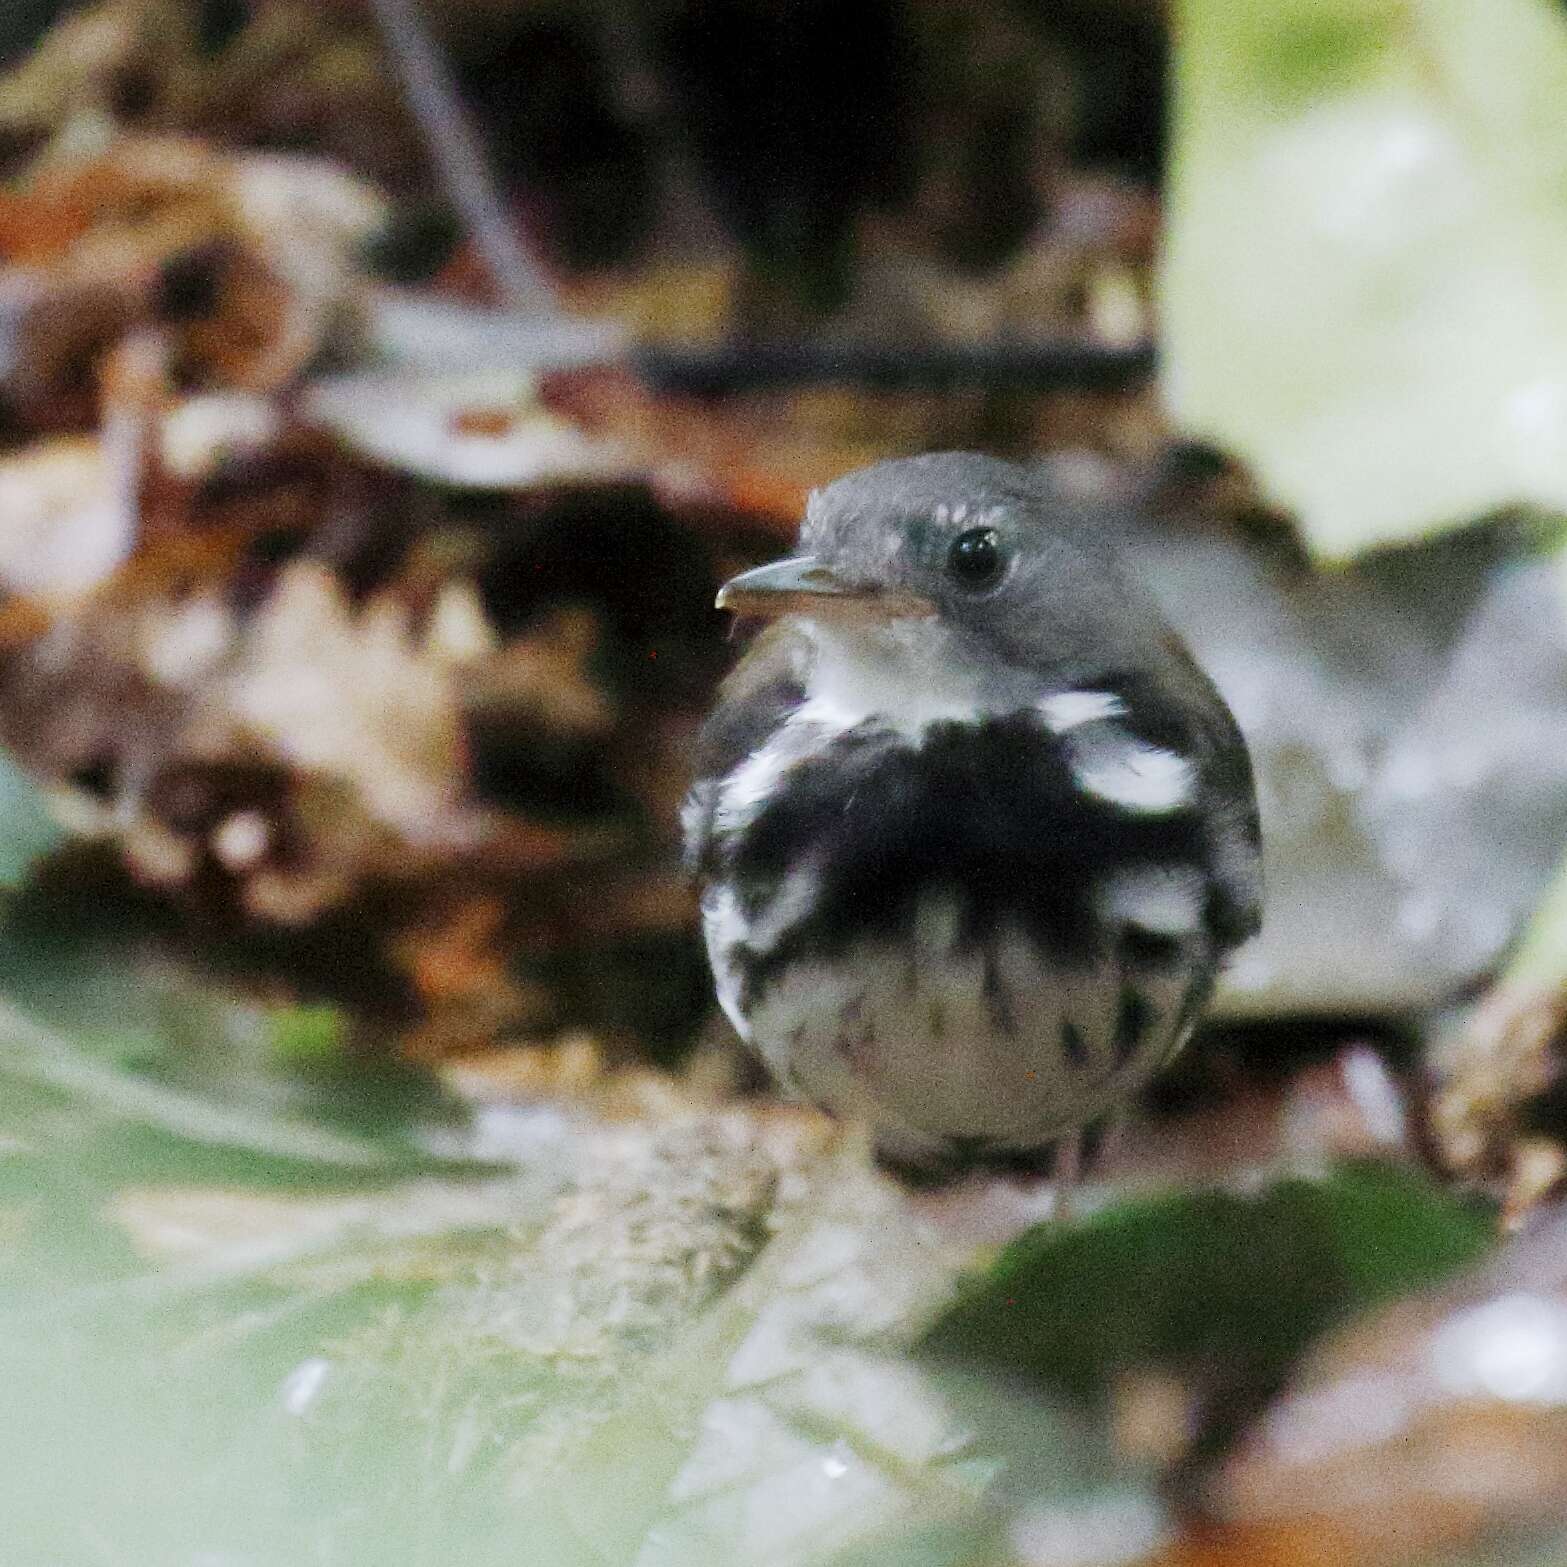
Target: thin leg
1112 1138
1069 1166
990 1200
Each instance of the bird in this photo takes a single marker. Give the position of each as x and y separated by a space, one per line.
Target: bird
974 834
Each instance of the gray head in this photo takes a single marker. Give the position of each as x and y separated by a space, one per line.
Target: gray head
999 566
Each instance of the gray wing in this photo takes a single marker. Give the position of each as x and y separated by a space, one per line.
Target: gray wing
1216 745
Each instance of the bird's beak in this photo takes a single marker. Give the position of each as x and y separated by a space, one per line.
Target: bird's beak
804 586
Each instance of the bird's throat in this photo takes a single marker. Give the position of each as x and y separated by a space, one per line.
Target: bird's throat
905 674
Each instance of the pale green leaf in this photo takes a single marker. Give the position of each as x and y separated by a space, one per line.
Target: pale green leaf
1365 279
27 830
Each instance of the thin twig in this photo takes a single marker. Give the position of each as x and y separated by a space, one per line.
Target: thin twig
1058 364
432 94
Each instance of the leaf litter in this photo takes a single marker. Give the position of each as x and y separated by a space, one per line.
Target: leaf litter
367 702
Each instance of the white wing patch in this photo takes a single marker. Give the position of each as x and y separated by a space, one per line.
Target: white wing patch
1137 777
1070 709
725 927
792 903
747 791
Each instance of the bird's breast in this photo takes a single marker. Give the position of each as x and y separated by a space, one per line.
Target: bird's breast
838 829
930 1035
991 928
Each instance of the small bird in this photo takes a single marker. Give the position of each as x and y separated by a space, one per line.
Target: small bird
974 831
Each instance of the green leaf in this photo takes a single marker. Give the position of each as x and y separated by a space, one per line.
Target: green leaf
27 831
309 1034
657 1365
1365 275
40 1056
1216 1283
172 1067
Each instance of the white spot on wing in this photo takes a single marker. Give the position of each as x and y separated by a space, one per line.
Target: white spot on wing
1137 777
746 792
725 926
1068 709
726 929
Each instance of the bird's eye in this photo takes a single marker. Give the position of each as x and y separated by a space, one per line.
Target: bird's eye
975 560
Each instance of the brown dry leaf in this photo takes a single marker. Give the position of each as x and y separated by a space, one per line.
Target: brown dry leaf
538 692
65 525
686 302
728 454
1282 1545
317 699
91 61
459 955
295 73
301 73
344 694
462 954
265 745
1348 1106
1086 269
82 717
486 430
247 261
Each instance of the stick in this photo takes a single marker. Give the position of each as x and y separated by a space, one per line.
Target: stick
432 95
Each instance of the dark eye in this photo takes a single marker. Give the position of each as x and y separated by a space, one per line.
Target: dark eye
975 560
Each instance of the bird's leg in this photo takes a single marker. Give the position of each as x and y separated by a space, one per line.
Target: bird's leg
1068 1167
991 1202
1111 1135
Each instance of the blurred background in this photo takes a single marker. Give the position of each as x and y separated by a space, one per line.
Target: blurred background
385 388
